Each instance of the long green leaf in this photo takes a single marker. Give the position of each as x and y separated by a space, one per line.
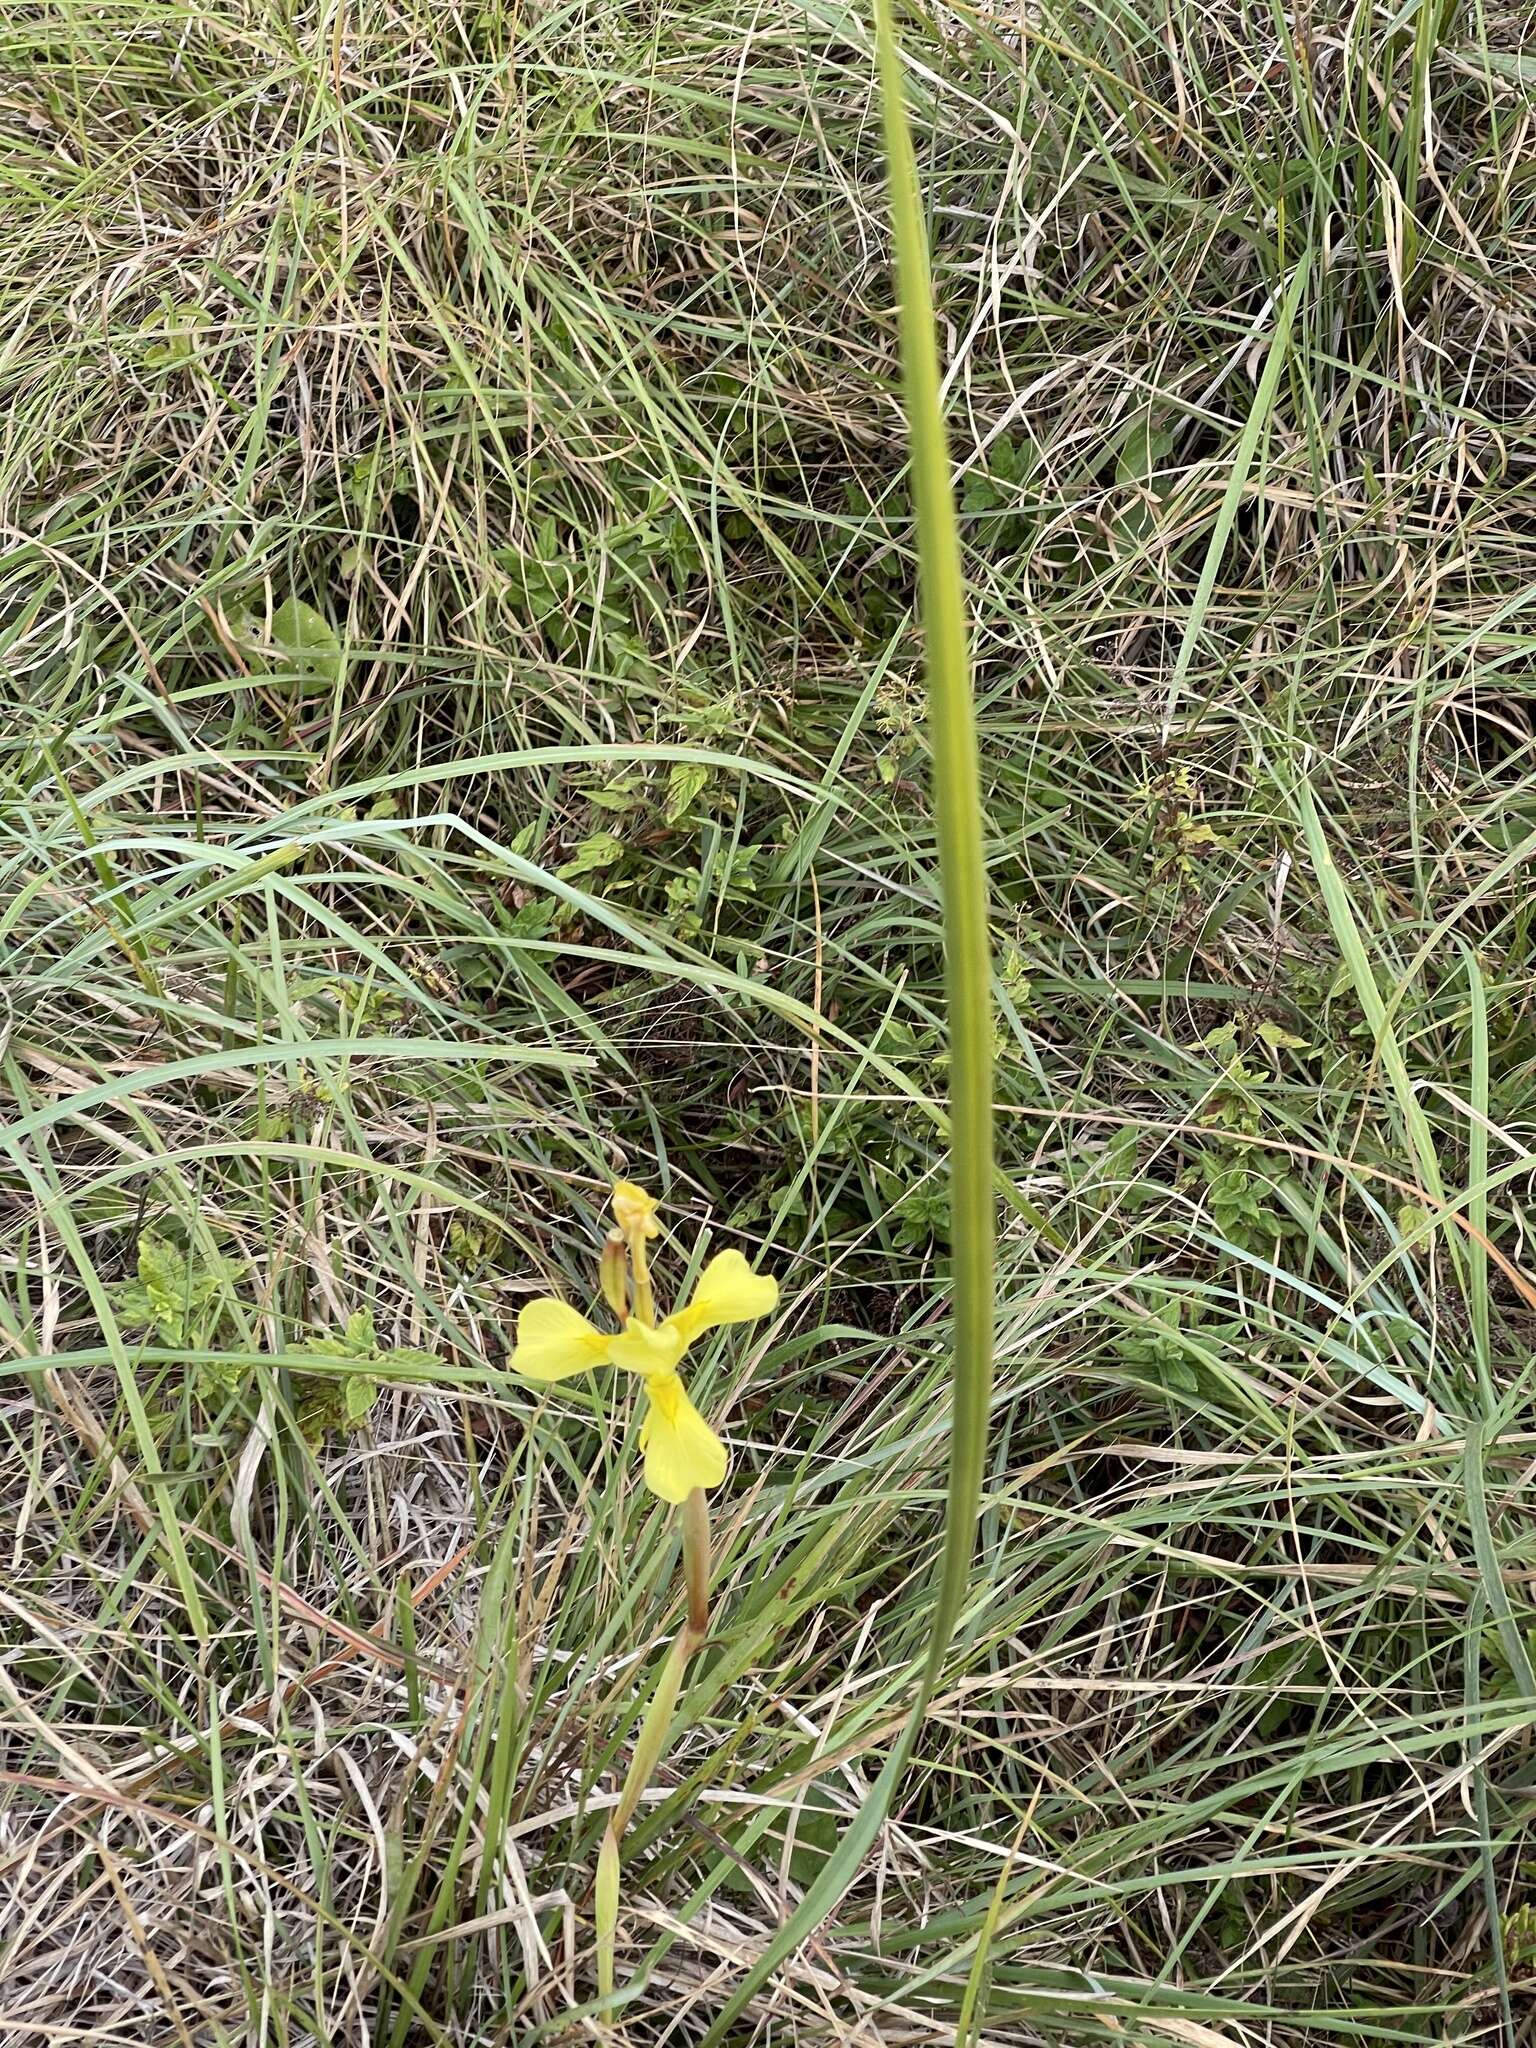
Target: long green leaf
968 994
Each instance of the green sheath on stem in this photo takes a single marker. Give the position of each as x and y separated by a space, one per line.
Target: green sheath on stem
652 1738
647 1754
654 1729
606 1909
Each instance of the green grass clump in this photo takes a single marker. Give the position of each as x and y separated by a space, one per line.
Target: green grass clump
468 736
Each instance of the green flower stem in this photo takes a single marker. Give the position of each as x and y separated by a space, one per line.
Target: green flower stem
962 858
654 1729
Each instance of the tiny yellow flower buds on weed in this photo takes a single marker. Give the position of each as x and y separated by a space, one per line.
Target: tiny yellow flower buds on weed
635 1210
613 1274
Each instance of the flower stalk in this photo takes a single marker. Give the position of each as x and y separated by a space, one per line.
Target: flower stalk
696 1559
651 1742
969 1009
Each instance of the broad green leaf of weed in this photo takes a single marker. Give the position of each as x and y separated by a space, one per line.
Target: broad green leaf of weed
338 1402
177 1297
301 639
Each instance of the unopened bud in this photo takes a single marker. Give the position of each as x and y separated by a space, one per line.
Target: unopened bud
634 1210
613 1274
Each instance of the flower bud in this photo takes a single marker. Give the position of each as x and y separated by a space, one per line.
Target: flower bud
635 1210
613 1274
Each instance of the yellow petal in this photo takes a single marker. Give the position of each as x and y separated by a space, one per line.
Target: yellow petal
653 1352
553 1341
728 1292
681 1450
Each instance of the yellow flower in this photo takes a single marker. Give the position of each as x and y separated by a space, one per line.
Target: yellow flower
681 1450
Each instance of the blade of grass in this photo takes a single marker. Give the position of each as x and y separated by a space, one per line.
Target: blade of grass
1237 482
1477 1177
1351 945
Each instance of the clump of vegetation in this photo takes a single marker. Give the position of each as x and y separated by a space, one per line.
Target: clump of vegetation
468 731
184 1299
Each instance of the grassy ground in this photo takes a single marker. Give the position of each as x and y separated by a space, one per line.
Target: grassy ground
464 738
